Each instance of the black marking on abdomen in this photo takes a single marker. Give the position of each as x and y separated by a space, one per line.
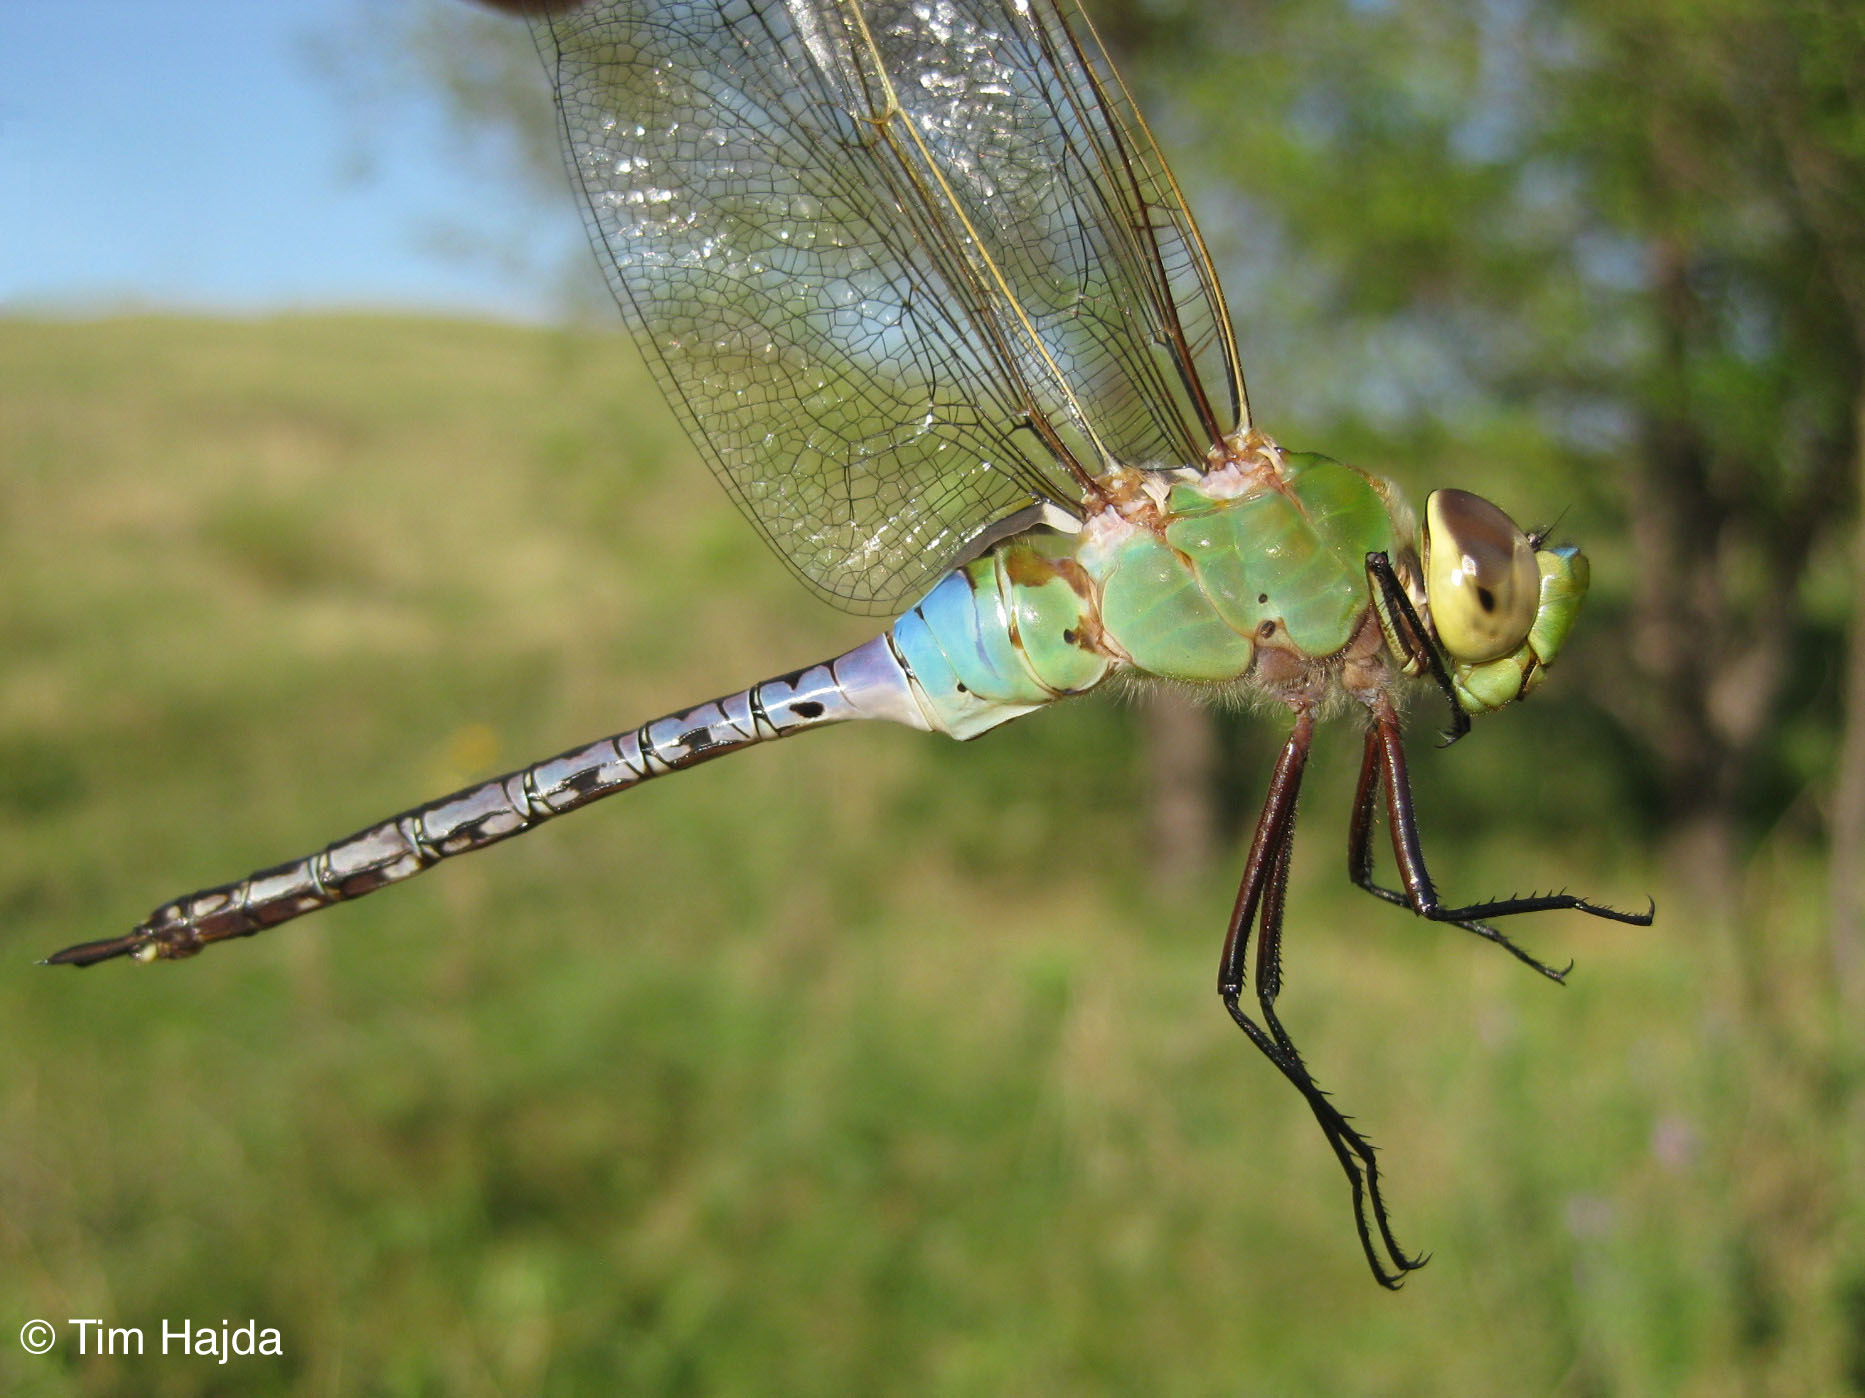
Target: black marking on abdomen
806 708
698 740
583 784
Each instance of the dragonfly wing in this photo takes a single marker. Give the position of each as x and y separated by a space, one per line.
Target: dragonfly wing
1042 151
904 269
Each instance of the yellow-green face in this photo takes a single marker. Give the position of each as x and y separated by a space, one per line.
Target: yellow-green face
1501 604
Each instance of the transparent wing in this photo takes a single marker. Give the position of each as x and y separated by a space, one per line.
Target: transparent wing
904 268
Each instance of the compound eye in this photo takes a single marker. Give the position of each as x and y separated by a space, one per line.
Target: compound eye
1480 577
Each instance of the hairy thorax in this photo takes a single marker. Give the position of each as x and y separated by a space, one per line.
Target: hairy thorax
1249 575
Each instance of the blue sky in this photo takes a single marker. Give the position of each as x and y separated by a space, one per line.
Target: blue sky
192 154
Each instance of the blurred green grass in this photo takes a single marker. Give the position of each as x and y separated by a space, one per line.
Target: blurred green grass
868 1063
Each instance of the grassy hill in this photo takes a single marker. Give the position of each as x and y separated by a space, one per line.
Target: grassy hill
867 1063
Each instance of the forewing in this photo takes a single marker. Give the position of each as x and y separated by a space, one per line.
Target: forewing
903 269
1043 153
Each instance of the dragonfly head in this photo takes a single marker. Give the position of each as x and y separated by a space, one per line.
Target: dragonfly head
1500 600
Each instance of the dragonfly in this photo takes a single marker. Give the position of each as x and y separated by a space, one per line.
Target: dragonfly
924 293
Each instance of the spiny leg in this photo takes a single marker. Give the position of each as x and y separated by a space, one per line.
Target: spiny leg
1384 764
1398 609
1353 1150
1269 932
1260 900
1360 862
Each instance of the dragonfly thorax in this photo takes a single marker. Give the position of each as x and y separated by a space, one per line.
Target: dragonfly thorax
1255 570
1254 573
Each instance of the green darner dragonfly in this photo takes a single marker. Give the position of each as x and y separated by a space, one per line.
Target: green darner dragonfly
923 291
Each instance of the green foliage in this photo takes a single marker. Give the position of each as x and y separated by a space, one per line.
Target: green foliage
865 1063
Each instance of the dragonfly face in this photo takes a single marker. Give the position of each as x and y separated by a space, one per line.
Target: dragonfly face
918 282
1500 602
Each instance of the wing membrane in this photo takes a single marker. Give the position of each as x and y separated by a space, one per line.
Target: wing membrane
904 268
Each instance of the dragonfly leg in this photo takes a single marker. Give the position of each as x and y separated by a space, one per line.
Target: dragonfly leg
1417 640
1260 901
1384 765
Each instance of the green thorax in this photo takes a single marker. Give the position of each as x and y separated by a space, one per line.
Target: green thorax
1186 579
1237 562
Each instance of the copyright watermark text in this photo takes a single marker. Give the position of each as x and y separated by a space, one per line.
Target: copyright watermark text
89 1335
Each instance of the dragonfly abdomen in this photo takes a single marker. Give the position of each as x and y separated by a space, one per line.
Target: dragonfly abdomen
865 683
1011 631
